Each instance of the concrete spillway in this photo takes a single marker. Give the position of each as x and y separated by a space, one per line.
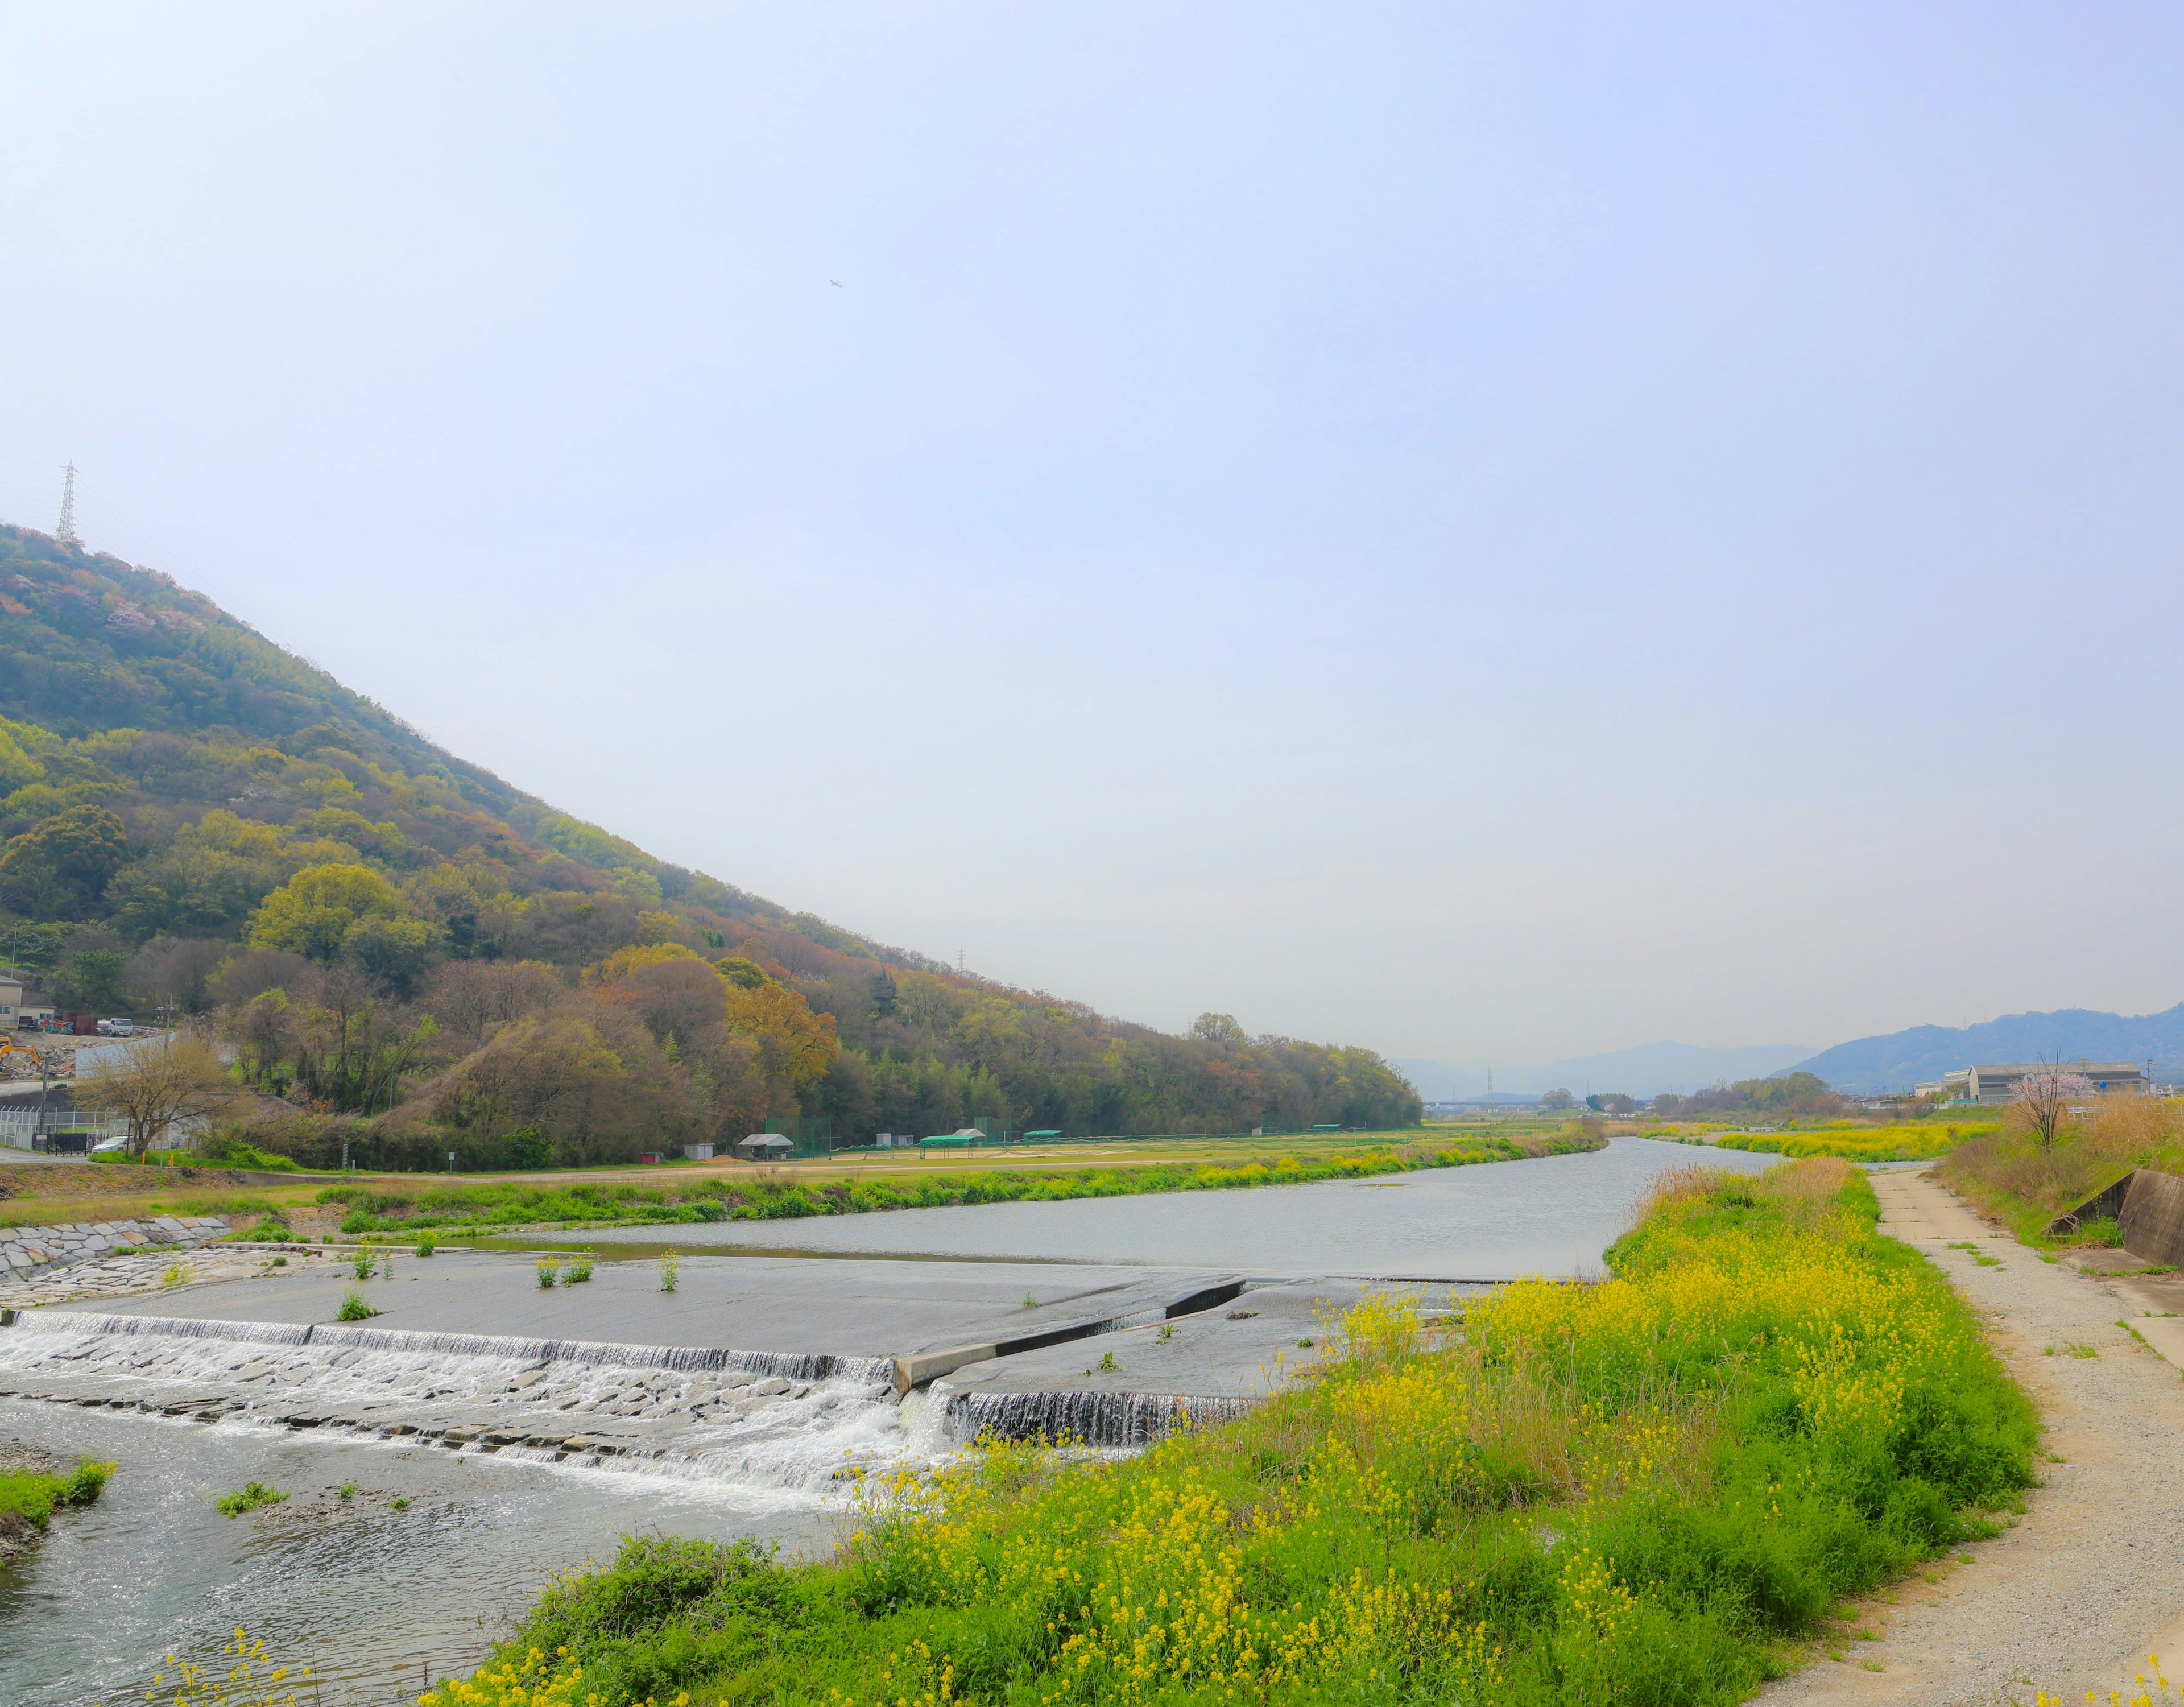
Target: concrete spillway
767 1415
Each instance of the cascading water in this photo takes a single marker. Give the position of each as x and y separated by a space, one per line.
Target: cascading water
758 1418
1110 1419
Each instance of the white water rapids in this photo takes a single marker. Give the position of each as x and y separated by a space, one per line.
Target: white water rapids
759 1419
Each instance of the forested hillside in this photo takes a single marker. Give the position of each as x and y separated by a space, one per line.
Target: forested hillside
388 936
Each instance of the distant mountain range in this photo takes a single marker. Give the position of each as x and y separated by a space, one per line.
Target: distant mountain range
1897 1060
1645 1071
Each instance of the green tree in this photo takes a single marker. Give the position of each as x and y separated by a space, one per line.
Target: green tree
60 868
95 979
1557 1099
312 913
394 950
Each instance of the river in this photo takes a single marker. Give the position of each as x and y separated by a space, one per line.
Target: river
371 1596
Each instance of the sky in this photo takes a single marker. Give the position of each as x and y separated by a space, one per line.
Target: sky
1491 533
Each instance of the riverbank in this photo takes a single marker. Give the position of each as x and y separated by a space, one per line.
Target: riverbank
35 1484
1654 1485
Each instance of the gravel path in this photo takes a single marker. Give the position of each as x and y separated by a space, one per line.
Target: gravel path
2074 1596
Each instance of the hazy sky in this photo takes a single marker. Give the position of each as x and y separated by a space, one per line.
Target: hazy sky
1493 533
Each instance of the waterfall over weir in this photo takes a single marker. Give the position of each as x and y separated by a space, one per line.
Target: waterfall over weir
761 1420
1086 1418
798 1366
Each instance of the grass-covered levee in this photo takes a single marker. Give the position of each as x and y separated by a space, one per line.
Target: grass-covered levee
1646 1490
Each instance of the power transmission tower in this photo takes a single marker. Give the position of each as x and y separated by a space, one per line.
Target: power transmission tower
65 534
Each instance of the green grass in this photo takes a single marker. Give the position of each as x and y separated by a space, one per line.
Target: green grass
1647 1490
384 1207
33 1498
248 1497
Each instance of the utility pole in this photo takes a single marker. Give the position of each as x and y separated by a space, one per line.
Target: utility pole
65 534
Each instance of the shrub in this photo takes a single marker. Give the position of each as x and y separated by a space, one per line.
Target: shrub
248 1497
30 1497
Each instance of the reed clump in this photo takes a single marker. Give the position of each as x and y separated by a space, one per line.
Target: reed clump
1642 1489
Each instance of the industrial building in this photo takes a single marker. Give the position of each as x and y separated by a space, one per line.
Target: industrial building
1996 1084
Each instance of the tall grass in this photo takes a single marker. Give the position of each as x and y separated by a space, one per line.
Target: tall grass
1642 1489
2010 1175
766 1194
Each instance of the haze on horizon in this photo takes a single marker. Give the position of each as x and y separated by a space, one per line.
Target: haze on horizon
1496 535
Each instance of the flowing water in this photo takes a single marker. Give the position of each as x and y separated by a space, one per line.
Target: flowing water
1553 1215
367 1595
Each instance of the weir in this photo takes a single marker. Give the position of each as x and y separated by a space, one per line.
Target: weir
793 1366
1113 1420
776 1418
761 1419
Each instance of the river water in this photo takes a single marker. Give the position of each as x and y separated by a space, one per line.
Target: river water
371 1596
368 1596
1553 1215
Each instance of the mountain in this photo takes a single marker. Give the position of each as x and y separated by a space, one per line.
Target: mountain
1643 1072
398 939
1897 1060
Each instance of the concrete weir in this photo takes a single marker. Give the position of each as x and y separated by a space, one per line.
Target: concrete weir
812 1388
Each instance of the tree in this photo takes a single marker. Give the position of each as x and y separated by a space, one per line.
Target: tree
311 913
2042 1100
156 1083
394 950
94 979
1557 1100
60 868
1218 1028
799 1046
1610 1102
747 975
882 989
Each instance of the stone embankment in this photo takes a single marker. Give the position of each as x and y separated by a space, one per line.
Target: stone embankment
24 1250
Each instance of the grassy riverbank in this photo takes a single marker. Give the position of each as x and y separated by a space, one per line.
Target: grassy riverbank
396 1206
1649 1490
30 1497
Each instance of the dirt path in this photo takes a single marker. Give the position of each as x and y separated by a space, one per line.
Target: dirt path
2092 1577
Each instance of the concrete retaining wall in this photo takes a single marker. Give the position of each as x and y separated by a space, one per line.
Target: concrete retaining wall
24 1248
2152 1218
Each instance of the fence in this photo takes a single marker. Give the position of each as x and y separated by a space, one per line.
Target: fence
28 1128
811 1135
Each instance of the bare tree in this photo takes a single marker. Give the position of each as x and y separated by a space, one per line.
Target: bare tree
154 1083
2043 1100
